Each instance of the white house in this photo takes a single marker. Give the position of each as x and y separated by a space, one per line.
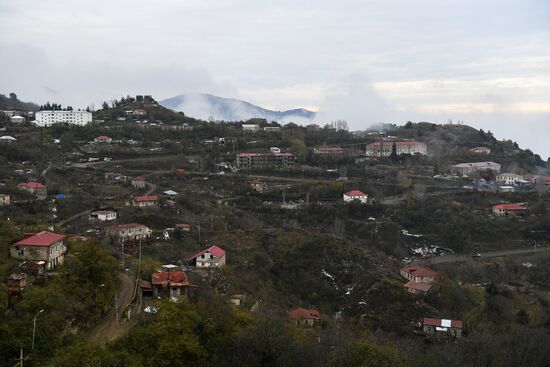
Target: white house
508 178
48 118
103 215
356 195
17 119
211 257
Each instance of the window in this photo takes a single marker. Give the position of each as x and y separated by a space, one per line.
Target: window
20 251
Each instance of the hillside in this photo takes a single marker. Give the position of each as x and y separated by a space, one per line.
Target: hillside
207 106
11 102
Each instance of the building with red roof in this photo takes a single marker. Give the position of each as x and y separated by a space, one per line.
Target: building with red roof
35 188
211 257
184 227
304 317
139 182
103 139
175 282
442 326
145 201
383 148
509 209
42 246
420 278
355 195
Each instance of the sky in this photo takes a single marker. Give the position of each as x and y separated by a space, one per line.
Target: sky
484 62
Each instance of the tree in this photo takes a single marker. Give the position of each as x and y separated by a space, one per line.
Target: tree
105 105
13 97
299 149
393 155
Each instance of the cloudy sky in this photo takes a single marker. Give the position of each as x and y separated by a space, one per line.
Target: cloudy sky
486 62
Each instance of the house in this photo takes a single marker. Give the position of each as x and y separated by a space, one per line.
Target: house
480 150
383 148
509 209
15 283
184 227
4 200
265 160
103 139
7 139
17 120
145 201
355 195
420 278
466 169
49 118
35 188
328 151
175 282
508 178
304 317
258 185
130 232
43 246
138 182
251 127
116 177
103 215
211 257
442 327
272 129
139 112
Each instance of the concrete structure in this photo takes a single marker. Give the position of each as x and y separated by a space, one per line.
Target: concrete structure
145 201
251 127
15 283
383 148
442 326
466 169
304 317
103 215
211 257
420 278
131 232
138 182
355 195
260 186
265 160
43 246
5 200
509 209
35 188
480 150
508 178
49 118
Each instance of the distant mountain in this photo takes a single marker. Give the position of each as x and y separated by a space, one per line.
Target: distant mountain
206 106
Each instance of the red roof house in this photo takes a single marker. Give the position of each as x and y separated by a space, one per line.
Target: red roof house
303 316
420 278
42 246
35 188
508 209
174 281
145 201
355 195
212 256
440 326
138 181
103 139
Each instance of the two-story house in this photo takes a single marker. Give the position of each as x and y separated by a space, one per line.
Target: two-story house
130 232
35 188
43 246
420 278
211 257
145 201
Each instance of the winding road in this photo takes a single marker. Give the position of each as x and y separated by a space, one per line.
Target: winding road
489 254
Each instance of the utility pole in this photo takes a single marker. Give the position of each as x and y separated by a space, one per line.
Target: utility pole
116 308
122 253
199 227
21 357
34 326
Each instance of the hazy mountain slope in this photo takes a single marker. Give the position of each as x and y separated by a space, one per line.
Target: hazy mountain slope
207 106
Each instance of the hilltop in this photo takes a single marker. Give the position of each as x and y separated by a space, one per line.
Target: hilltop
12 103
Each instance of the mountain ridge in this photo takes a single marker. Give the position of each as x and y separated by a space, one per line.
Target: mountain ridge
209 106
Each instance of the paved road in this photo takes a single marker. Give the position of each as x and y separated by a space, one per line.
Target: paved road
488 254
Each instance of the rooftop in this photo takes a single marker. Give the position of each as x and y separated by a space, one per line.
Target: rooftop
172 278
476 164
145 198
387 143
354 193
300 313
43 238
32 185
510 207
420 271
443 322
214 250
